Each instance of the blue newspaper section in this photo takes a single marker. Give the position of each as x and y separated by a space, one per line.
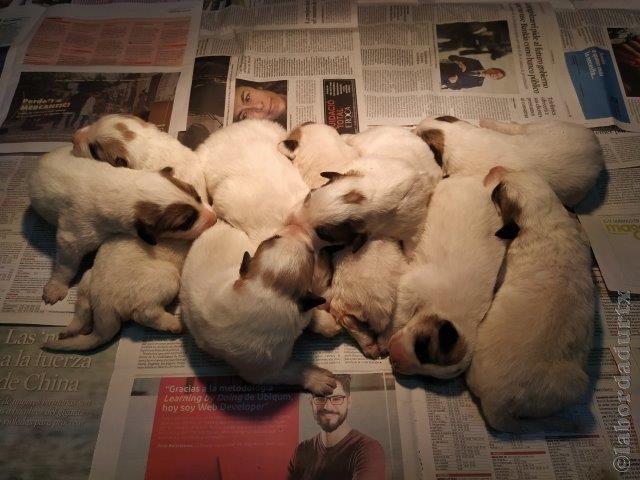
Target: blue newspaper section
596 84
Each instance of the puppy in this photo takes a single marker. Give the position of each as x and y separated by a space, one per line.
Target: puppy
450 285
378 198
88 201
314 148
129 279
532 347
362 294
566 155
254 186
249 311
128 141
395 142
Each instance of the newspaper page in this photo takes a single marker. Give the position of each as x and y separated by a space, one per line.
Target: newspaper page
50 405
620 149
226 18
27 250
467 60
83 62
610 216
15 25
453 441
601 49
153 367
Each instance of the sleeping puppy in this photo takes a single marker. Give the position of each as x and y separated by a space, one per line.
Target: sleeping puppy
250 311
377 198
362 293
254 186
128 141
450 284
395 142
532 347
566 155
314 148
88 201
129 279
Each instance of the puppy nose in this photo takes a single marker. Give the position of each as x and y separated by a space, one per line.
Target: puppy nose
78 138
210 218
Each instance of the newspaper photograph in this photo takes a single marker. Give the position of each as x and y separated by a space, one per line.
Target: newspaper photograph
222 427
601 53
50 106
50 404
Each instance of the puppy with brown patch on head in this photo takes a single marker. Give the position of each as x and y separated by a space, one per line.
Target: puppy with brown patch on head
128 141
377 198
89 201
250 311
395 142
129 280
568 156
254 186
532 347
447 291
314 148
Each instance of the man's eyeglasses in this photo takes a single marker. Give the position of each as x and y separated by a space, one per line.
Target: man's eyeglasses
334 399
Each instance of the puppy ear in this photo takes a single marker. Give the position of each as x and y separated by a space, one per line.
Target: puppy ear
330 175
145 232
309 300
244 266
435 139
495 176
287 147
509 231
359 242
121 162
166 171
447 118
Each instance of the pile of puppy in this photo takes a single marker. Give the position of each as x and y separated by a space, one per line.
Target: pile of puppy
447 247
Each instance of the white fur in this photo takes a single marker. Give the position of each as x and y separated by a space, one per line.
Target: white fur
532 347
88 201
451 281
395 142
362 294
236 316
254 187
378 197
317 148
141 145
129 280
566 155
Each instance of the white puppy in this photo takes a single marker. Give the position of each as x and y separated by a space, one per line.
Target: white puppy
450 284
566 155
362 294
377 198
532 347
88 201
129 279
395 142
249 311
254 187
315 148
129 141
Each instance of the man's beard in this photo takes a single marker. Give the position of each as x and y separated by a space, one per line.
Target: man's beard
331 422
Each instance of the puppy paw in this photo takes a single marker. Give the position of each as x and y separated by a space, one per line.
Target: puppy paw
371 350
54 291
319 381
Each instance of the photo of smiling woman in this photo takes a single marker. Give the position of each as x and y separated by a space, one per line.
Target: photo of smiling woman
261 100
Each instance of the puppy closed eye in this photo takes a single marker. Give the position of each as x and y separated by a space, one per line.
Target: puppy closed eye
421 349
94 150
